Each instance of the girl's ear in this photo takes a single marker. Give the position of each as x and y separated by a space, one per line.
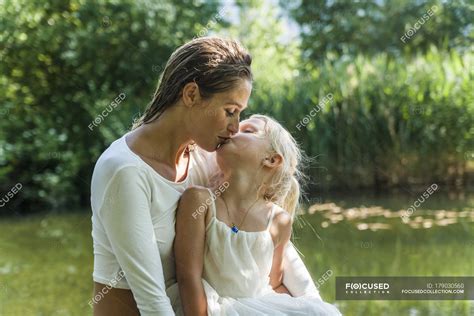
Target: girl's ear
191 95
273 161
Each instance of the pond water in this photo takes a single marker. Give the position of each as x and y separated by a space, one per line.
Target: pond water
46 260
365 235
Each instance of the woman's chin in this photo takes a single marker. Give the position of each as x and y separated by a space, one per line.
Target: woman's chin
220 150
209 147
224 150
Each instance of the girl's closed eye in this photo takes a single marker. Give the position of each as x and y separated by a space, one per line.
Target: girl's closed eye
247 128
229 113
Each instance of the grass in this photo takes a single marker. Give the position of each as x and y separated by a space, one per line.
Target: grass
46 265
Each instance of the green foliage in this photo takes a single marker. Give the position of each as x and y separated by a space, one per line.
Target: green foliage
345 27
63 63
394 120
391 121
399 114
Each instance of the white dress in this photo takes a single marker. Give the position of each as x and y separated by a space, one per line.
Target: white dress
236 276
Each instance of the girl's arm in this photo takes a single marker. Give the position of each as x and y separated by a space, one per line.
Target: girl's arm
189 250
281 232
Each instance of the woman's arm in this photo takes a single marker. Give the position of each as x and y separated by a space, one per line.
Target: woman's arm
289 274
189 250
125 216
296 276
281 232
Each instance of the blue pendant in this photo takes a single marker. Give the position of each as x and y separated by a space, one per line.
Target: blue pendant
234 229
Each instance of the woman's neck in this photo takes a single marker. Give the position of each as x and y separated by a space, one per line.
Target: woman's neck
164 139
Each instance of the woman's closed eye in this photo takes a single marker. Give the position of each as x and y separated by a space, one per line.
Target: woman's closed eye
229 113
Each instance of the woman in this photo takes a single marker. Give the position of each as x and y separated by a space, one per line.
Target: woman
138 180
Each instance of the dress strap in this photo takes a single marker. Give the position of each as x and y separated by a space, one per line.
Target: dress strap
270 220
211 203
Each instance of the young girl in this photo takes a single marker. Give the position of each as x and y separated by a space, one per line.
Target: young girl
229 246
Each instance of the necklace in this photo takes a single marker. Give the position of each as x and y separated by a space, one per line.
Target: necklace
234 228
190 147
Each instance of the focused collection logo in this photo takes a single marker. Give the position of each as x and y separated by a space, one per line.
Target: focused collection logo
367 288
405 288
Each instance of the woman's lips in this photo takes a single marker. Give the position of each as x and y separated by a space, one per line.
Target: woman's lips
223 140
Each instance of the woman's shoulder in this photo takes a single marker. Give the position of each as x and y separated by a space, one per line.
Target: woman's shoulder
117 161
117 167
204 167
281 216
281 225
116 157
204 159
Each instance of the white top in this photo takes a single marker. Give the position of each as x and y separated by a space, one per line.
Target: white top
237 264
133 227
236 275
133 223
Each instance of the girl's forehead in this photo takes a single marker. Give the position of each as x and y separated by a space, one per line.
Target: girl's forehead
256 122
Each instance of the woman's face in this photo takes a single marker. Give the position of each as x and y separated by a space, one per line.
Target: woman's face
247 149
217 119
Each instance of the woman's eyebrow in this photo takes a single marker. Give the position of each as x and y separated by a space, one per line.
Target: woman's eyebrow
236 103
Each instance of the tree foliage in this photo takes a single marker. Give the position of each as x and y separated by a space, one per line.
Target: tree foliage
346 27
63 63
400 113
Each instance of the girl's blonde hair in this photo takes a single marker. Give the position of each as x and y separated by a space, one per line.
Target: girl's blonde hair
284 189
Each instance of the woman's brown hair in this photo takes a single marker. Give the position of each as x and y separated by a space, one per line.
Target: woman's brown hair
214 64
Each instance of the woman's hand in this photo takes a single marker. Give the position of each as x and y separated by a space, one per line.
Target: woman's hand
282 289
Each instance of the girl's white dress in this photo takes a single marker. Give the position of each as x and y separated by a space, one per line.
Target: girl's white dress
236 276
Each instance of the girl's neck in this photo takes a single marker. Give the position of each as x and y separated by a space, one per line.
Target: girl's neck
242 191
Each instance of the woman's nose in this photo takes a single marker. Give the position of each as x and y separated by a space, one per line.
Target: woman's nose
234 127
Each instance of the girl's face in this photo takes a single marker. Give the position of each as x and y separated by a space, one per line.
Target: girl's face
217 118
247 149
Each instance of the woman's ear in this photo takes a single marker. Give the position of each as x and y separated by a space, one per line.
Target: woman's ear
191 94
273 161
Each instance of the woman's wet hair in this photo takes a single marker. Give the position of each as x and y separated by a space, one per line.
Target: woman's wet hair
214 64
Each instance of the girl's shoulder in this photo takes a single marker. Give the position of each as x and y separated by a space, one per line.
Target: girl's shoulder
195 193
196 202
194 197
